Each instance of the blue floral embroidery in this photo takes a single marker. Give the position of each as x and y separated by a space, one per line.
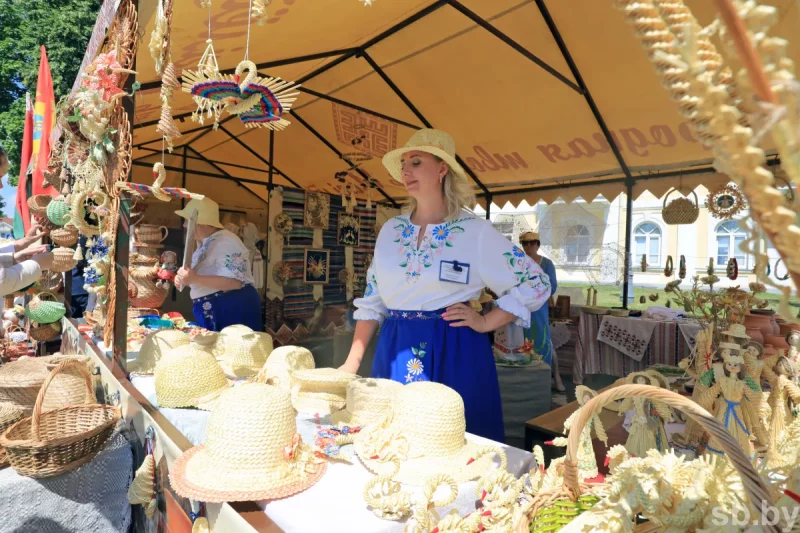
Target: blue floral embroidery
517 251
372 285
416 259
441 232
407 231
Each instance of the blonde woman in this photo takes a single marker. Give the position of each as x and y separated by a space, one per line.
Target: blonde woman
429 263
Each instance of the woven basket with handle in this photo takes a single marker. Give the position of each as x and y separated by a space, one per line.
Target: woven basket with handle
66 236
63 260
680 210
45 308
44 332
50 281
37 204
58 441
143 291
150 233
9 414
552 510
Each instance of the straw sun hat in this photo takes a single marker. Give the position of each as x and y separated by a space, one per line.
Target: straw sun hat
736 331
368 400
207 212
320 390
434 142
154 347
252 451
243 356
281 363
229 334
426 432
189 376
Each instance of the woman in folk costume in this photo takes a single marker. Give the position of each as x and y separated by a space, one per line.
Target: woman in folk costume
429 263
219 276
539 331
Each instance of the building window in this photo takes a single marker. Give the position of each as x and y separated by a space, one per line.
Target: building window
729 237
578 244
648 241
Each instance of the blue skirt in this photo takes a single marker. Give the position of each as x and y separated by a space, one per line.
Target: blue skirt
422 346
222 309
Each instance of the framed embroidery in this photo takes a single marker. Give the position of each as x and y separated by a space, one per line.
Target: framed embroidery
316 270
349 226
317 210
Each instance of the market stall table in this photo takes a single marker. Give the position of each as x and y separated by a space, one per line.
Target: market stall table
669 342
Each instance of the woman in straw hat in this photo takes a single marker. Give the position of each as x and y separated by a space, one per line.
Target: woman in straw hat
539 332
219 276
428 262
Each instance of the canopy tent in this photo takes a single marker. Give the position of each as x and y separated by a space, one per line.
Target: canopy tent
532 92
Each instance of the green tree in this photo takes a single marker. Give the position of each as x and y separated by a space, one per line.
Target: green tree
64 28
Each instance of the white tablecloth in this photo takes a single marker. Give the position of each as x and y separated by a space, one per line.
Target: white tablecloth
335 503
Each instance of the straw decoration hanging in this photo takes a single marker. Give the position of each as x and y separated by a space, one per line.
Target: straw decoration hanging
161 36
124 36
166 125
121 170
258 11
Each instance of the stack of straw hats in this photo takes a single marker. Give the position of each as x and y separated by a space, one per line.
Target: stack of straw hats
245 355
154 347
252 451
227 335
320 390
189 376
281 363
426 432
368 400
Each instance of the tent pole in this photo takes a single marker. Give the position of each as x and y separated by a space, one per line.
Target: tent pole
269 197
627 287
488 205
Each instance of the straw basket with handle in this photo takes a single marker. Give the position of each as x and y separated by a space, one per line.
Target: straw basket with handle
150 233
37 204
680 210
58 441
50 281
45 308
143 291
66 236
63 260
550 511
44 332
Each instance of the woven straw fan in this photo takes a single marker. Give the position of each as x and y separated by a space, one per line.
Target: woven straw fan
754 486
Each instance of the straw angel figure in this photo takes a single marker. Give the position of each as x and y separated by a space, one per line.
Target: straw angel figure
587 462
783 399
647 425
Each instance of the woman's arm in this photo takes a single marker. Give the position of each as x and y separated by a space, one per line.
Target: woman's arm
187 276
460 315
365 329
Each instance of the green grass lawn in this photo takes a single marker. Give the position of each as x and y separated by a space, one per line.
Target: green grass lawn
611 296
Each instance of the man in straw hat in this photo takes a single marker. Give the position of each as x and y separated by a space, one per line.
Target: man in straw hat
219 276
428 263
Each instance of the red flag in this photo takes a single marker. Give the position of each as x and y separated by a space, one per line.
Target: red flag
44 115
22 217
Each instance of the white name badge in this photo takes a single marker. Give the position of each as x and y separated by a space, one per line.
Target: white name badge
454 272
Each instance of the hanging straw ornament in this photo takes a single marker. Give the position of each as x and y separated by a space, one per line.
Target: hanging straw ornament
258 11
207 73
160 175
142 490
166 125
160 37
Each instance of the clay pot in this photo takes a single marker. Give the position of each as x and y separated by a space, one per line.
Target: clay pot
777 341
759 321
786 327
755 335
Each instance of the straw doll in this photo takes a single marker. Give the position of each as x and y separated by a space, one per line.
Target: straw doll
731 396
587 462
783 399
647 425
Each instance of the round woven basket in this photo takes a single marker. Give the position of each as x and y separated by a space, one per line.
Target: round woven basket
51 281
150 233
44 332
37 204
680 210
45 308
63 260
550 511
9 415
143 291
58 211
58 441
66 236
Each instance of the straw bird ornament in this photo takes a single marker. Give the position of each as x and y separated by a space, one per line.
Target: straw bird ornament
258 101
160 175
142 490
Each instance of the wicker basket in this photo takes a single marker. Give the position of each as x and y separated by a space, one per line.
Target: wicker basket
144 293
20 382
552 510
9 415
66 236
58 211
58 441
45 308
150 234
44 332
680 210
37 204
50 281
8 301
63 260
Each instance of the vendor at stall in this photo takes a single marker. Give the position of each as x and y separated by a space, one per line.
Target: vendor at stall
539 331
219 276
428 264
21 263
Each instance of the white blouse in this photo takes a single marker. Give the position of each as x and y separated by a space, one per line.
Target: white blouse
407 278
221 254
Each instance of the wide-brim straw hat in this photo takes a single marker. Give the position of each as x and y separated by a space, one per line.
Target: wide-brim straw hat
21 380
368 400
207 212
244 356
229 334
427 431
737 331
154 347
529 236
189 376
252 451
282 362
436 142
320 390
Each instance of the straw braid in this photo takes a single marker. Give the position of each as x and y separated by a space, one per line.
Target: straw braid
424 511
385 496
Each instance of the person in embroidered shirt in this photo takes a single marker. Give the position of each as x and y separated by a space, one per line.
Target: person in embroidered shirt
219 276
22 261
428 264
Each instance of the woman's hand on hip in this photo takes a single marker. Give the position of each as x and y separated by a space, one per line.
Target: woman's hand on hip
185 276
461 315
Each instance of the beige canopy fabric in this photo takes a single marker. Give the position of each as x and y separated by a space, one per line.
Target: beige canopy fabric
523 87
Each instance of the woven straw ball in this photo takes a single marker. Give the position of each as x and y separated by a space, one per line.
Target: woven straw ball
188 376
154 347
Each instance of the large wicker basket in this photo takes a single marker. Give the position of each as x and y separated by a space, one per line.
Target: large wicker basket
680 210
552 510
9 415
58 441
143 291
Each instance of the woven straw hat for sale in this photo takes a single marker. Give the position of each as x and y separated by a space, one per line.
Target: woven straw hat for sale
21 380
426 433
252 451
244 356
320 390
154 347
281 363
227 335
189 376
368 400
